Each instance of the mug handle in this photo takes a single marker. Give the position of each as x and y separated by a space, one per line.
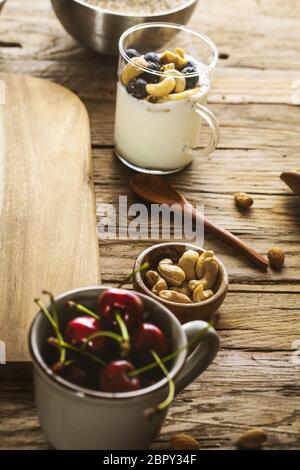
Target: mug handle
202 355
211 120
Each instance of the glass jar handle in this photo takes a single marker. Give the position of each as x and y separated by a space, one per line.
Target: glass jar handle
211 120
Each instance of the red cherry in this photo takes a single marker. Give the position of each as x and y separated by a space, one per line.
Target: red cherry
114 378
73 373
148 337
80 328
124 302
76 374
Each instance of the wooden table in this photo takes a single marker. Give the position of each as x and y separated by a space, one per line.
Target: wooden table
254 381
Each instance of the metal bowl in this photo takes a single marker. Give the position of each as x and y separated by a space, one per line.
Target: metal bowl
100 29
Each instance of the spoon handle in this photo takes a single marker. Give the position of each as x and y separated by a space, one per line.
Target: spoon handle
232 240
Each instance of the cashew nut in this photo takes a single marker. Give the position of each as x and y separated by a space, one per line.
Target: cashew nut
180 51
180 96
211 268
131 71
155 281
200 294
180 81
152 277
169 56
184 289
187 262
193 284
174 275
165 261
168 67
160 285
162 88
174 296
200 263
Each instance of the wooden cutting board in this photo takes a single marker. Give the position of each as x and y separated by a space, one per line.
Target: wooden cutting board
48 234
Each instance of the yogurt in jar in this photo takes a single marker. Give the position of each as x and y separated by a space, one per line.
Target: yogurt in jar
156 136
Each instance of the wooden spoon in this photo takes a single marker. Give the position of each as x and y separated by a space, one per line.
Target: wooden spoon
292 179
155 189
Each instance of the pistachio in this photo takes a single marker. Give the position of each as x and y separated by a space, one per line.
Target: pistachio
174 275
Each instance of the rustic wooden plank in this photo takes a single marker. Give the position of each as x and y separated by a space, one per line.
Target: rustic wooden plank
215 187
252 382
212 409
228 26
242 126
261 34
47 51
226 171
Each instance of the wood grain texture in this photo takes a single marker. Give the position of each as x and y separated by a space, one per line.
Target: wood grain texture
253 382
47 213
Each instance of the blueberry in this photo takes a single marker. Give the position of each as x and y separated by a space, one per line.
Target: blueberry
192 63
151 77
132 53
152 57
130 87
137 88
191 82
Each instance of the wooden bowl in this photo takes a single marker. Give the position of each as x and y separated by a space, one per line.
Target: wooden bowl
184 312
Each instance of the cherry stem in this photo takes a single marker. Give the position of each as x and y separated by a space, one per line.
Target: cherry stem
82 309
128 279
53 305
54 314
54 324
171 356
167 402
69 362
123 328
124 333
60 343
99 334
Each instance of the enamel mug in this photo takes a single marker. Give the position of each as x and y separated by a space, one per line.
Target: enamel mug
75 418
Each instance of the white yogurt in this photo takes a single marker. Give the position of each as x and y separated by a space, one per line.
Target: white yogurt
155 136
